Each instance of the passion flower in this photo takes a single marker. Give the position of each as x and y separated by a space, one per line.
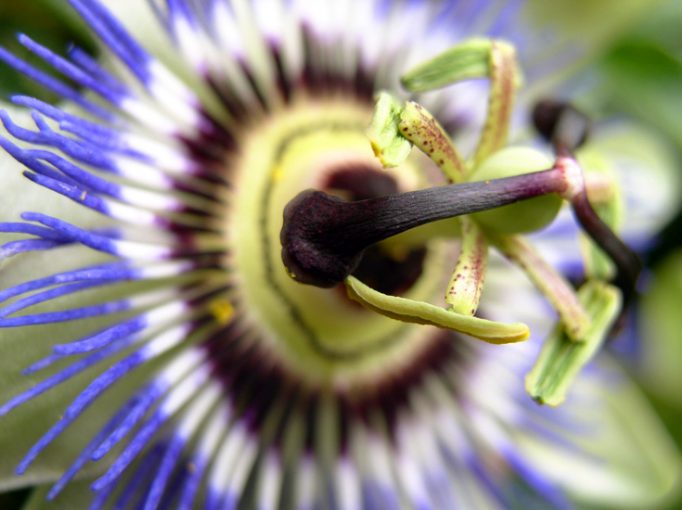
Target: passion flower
171 359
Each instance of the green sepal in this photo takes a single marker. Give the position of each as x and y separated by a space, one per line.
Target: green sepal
54 24
389 146
419 312
561 358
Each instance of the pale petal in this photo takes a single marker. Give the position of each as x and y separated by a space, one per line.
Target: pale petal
21 347
616 450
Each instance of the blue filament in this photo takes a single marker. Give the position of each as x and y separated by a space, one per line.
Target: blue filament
115 36
145 398
81 402
72 71
109 272
132 450
84 455
53 84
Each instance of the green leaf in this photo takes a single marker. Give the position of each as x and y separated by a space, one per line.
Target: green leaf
578 29
662 25
50 22
644 79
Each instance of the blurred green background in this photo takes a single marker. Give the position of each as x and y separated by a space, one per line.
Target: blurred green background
640 75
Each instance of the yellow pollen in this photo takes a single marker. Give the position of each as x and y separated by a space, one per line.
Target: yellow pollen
222 310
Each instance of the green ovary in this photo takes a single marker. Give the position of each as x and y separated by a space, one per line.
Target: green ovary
318 334
528 215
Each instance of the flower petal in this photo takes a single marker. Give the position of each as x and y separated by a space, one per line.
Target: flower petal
617 452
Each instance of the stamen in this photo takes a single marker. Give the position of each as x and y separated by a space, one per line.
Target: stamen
323 237
466 284
93 68
13 248
407 310
130 249
173 402
87 397
476 58
137 408
57 114
199 461
422 129
137 482
550 282
63 375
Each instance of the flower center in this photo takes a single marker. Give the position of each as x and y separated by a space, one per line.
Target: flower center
318 334
389 269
